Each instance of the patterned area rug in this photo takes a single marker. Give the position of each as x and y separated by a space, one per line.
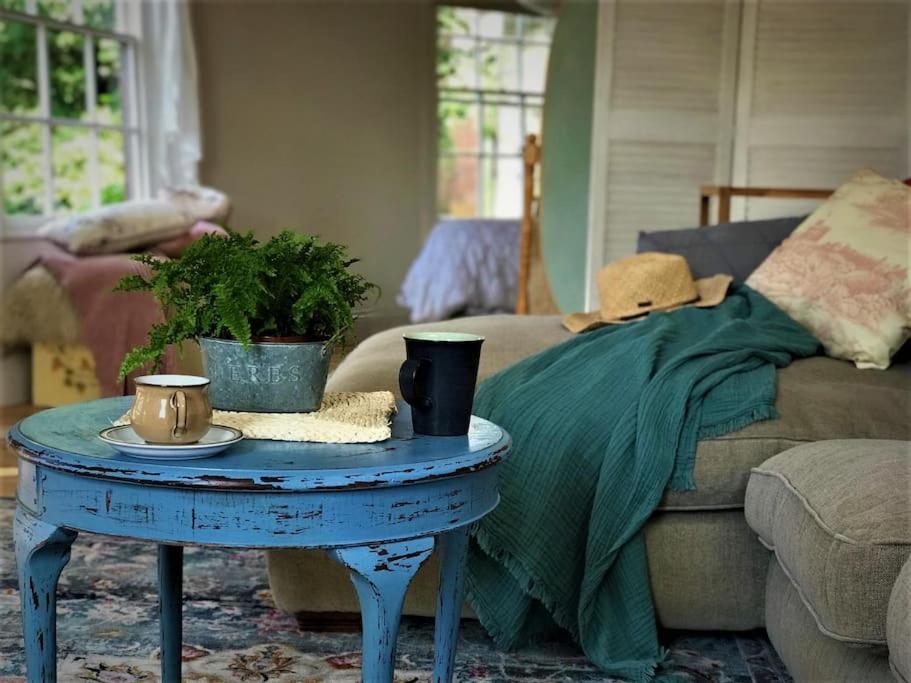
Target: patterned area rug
108 630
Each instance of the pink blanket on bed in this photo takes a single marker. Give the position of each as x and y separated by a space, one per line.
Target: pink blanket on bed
111 322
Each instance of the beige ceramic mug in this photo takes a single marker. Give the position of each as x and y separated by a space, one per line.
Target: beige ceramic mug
171 409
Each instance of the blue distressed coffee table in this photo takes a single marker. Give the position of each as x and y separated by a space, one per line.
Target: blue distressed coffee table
380 509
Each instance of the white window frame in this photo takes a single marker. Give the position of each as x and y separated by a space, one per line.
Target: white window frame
479 96
132 125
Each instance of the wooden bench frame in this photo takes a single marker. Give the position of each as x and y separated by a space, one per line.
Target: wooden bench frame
724 193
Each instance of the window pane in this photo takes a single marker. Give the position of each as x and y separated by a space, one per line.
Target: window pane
534 68
537 28
502 130
107 81
18 68
67 65
502 187
70 152
21 160
99 13
456 21
491 72
511 25
533 121
492 24
499 66
111 169
61 10
458 182
459 130
456 63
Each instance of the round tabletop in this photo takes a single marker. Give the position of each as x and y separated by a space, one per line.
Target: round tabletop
380 509
66 439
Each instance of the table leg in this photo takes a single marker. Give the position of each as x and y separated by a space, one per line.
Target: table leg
453 548
170 607
42 551
381 573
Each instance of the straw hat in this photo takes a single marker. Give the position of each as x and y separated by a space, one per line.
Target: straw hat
636 285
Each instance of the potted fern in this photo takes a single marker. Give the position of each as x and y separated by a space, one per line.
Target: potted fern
266 316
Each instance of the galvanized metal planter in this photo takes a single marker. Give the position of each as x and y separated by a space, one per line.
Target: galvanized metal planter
266 377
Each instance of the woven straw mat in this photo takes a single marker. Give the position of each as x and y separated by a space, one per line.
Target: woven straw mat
344 417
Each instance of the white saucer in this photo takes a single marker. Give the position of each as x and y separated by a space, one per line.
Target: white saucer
125 440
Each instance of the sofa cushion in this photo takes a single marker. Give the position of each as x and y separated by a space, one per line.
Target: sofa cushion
838 517
818 398
732 248
507 339
807 653
898 625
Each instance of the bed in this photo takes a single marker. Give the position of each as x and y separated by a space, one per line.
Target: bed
58 300
38 315
473 266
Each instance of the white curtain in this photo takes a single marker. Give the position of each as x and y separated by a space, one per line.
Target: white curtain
171 95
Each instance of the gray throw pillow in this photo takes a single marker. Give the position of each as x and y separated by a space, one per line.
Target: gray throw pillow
733 248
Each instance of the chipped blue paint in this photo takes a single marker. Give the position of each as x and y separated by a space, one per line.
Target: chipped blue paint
66 439
42 551
453 547
380 507
381 574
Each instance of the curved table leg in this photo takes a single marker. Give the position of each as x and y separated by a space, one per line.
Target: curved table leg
381 573
42 551
170 608
453 547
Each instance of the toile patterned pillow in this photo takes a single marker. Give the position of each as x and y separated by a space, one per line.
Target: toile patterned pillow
843 273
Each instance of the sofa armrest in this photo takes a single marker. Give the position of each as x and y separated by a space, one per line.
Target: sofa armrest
374 364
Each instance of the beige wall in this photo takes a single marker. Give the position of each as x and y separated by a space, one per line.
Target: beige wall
318 116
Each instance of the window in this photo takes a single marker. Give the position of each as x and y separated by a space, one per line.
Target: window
491 68
69 133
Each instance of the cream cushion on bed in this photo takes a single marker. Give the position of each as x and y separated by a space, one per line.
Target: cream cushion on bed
118 227
843 273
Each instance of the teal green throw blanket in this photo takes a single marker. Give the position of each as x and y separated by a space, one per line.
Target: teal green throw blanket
601 425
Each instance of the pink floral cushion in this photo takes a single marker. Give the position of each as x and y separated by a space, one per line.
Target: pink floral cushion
843 273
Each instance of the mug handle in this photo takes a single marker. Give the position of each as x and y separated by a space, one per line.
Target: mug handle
179 404
409 380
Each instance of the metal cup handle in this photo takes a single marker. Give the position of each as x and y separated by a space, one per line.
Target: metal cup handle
409 381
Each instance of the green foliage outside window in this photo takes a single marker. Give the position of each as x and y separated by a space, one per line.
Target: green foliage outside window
21 144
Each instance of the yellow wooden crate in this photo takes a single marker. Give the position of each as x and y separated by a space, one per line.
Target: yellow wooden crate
63 373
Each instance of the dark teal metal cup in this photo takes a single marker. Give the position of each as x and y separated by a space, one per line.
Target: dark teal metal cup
266 377
438 380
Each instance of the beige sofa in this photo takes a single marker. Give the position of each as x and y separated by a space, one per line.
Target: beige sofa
706 566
